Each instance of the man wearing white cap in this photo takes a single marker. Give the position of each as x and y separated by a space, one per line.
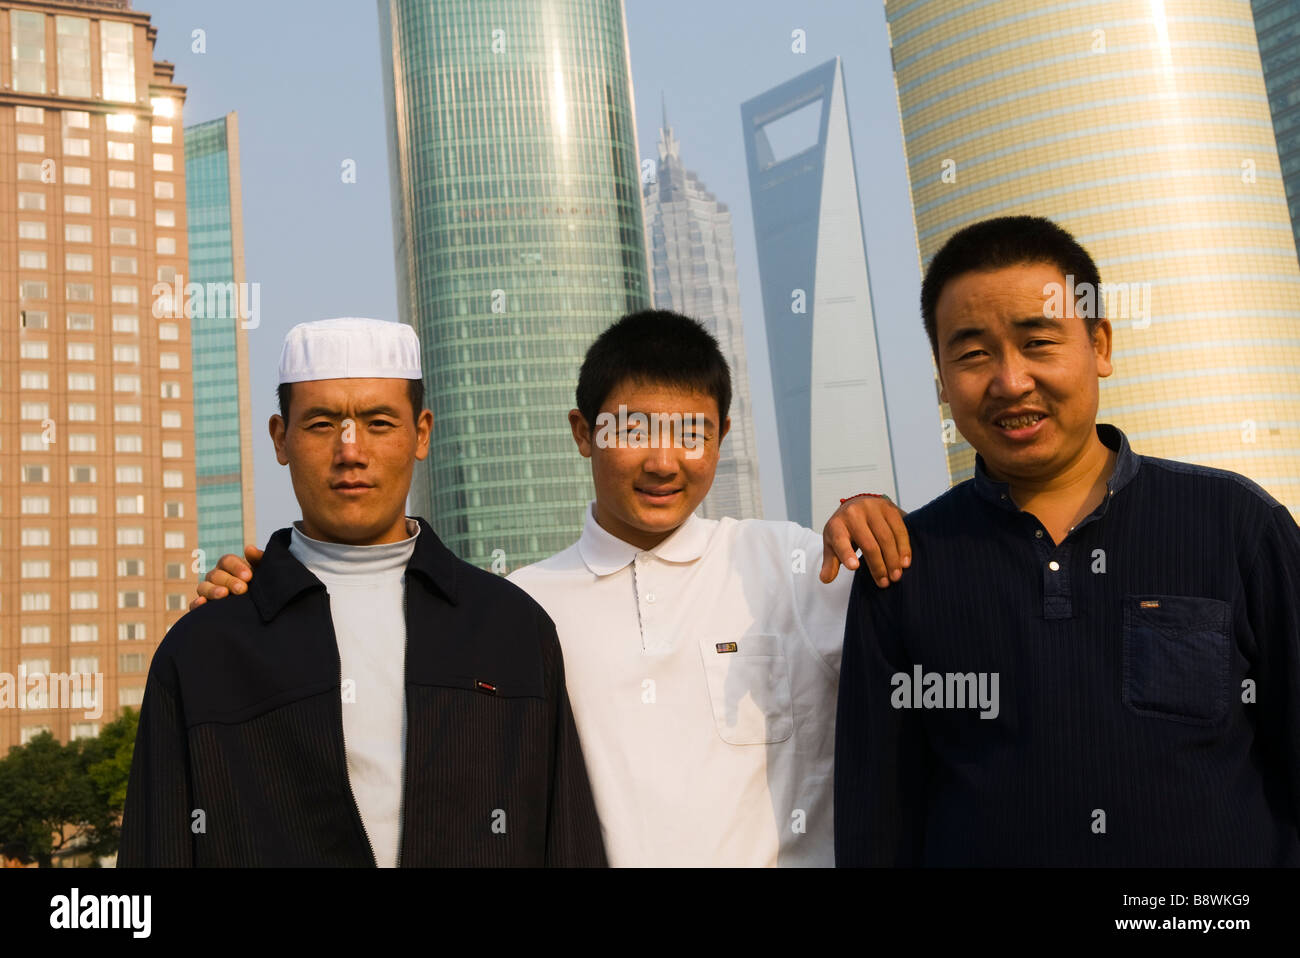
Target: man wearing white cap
371 699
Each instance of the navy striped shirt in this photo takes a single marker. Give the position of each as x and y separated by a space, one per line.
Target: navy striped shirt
1129 697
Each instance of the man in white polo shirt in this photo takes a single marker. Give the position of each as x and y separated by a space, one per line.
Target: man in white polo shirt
702 656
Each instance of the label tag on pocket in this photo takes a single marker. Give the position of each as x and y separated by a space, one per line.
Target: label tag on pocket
725 647
487 688
1149 604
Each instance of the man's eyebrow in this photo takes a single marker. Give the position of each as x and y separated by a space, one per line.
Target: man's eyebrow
388 411
1028 322
384 410
314 411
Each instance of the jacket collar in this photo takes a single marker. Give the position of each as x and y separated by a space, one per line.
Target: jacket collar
1126 467
280 577
605 553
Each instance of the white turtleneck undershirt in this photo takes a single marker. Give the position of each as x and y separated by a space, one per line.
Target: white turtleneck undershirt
365 585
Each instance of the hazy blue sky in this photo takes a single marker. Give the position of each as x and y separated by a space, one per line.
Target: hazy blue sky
305 80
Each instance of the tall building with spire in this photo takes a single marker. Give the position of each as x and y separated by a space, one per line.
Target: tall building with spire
519 238
1277 24
693 271
97 485
1143 128
821 331
223 434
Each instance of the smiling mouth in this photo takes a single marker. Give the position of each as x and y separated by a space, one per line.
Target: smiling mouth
658 493
1012 423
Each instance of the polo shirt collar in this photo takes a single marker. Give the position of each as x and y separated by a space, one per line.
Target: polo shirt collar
1126 467
280 577
605 553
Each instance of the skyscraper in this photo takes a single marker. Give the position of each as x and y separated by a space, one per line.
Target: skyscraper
821 332
1143 128
1277 24
223 436
97 501
693 263
518 236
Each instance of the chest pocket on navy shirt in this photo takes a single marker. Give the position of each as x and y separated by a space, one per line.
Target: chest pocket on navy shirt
1176 657
749 686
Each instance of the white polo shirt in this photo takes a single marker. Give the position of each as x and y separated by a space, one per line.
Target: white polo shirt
702 675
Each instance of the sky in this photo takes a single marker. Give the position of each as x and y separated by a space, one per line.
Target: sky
305 80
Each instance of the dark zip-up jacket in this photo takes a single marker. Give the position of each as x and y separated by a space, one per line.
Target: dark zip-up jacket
239 757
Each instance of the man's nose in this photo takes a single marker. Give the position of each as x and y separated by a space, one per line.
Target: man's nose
1012 376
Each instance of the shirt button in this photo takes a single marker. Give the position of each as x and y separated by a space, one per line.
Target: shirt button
1054 565
649 596
1038 533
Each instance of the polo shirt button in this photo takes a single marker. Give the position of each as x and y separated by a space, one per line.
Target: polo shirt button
1038 533
649 596
1054 565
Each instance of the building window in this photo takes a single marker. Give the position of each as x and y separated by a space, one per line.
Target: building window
130 505
30 732
36 569
173 510
121 179
27 35
126 324
173 479
81 382
31 143
36 537
126 354
35 505
83 536
83 505
76 146
36 602
164 218
126 412
173 540
35 410
73 45
34 380
169 332
122 236
164 190
130 567
175 570
81 411
118 206
31 172
34 318
163 163
128 443
29 114
36 635
84 632
84 729
78 262
117 59
77 233
126 384
76 204
124 264
130 600
36 473
126 294
172 449
175 602
130 662
33 289
82 601
31 201
76 175
76 119
167 245
33 442
28 229
162 134
81 351
121 151
171 419
81 292
169 360
130 631
81 322
82 442
32 259
130 536
81 473
83 569
170 389
130 474
132 696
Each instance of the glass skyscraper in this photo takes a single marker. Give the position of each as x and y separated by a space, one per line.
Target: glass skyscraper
1277 24
821 330
1143 128
518 236
693 263
222 412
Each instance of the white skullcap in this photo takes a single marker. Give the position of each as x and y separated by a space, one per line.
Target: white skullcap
350 348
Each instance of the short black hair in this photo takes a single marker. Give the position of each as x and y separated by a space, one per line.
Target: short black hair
653 346
414 391
1006 241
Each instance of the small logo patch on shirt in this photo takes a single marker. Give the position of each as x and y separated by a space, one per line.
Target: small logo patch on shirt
725 647
485 687
1149 604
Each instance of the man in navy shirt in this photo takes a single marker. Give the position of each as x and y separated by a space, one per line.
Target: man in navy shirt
1095 658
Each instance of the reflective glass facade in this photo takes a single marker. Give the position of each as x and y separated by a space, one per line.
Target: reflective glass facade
1144 129
518 235
1277 24
222 413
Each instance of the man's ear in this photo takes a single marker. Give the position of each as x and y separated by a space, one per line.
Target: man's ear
726 428
1101 343
423 429
943 390
277 429
581 432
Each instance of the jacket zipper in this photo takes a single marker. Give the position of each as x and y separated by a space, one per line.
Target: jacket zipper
329 617
406 745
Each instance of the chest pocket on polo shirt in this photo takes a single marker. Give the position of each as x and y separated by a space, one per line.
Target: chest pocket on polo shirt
749 688
1176 657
